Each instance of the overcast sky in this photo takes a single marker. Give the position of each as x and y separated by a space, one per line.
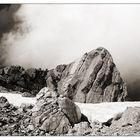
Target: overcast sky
61 33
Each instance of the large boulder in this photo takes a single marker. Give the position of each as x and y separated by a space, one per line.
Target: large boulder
71 110
53 114
93 78
130 116
126 123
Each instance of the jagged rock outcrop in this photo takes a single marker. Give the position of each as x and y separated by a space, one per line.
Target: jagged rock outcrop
30 81
18 79
53 114
93 78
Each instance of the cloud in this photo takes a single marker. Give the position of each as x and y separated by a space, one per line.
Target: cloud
8 24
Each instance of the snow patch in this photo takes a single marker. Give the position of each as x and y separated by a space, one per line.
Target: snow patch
17 99
101 111
104 111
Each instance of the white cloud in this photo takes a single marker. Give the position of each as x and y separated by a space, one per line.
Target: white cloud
61 33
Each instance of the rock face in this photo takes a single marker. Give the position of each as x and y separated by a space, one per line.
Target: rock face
54 115
18 79
29 81
92 79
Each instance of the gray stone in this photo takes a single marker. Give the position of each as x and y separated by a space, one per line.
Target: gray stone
92 79
53 114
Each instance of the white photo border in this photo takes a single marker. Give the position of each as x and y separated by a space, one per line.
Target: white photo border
69 2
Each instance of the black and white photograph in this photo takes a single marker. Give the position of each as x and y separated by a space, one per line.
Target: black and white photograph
69 69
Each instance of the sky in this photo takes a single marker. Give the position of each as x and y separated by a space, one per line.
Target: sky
8 24
60 33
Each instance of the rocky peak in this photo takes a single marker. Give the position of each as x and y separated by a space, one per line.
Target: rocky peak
93 78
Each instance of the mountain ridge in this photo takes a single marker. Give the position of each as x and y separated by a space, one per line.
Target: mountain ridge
92 78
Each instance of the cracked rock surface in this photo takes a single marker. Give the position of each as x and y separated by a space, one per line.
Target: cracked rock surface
53 114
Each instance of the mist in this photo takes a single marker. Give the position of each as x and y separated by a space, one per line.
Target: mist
60 33
8 24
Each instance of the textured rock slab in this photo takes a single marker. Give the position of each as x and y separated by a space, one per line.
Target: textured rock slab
70 109
54 115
